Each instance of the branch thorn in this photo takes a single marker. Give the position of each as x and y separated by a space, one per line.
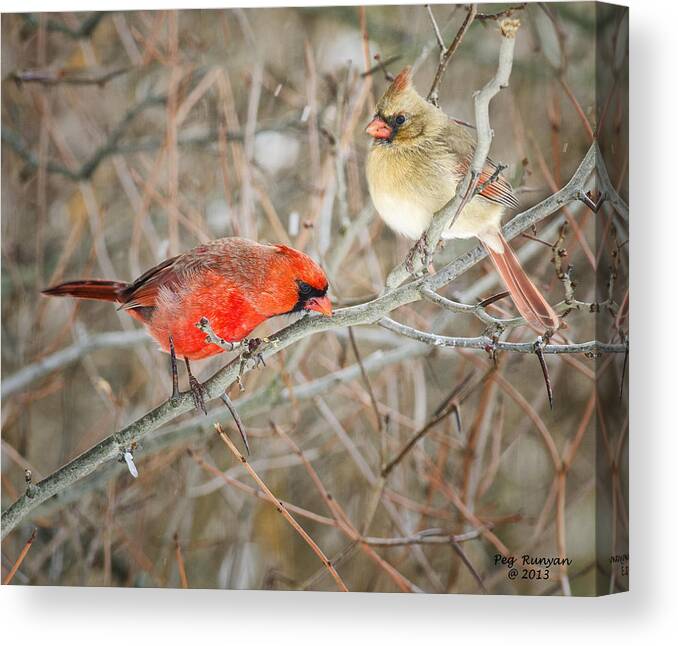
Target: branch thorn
539 351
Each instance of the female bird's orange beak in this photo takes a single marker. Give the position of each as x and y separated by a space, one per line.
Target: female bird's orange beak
319 304
379 129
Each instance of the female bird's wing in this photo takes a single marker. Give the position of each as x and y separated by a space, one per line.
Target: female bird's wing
494 186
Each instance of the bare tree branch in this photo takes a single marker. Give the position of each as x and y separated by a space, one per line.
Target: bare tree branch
447 53
505 13
248 406
483 342
20 559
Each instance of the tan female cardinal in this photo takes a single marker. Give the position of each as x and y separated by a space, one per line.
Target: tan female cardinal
235 283
417 158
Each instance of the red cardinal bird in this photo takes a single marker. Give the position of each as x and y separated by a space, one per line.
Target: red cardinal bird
235 283
417 158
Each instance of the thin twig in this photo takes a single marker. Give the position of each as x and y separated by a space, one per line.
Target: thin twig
366 380
343 522
180 562
257 493
505 13
236 418
539 351
382 64
452 403
20 559
281 508
212 337
623 374
434 536
465 559
446 54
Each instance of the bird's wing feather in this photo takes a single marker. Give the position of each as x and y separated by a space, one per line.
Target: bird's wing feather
498 190
144 290
496 187
173 273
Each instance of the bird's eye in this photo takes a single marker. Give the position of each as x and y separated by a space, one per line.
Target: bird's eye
400 119
304 288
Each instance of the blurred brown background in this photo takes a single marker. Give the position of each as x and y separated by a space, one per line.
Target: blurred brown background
128 137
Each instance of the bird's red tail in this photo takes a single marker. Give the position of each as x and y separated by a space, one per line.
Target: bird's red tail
527 298
98 290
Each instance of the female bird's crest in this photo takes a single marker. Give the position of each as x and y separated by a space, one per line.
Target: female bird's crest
399 96
402 114
401 82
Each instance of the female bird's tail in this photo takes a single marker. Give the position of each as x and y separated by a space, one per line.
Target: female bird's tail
98 290
527 298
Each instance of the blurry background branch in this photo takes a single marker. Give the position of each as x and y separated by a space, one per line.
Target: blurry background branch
63 358
114 144
52 76
84 30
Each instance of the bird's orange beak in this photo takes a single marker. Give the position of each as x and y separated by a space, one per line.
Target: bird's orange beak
379 129
319 304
